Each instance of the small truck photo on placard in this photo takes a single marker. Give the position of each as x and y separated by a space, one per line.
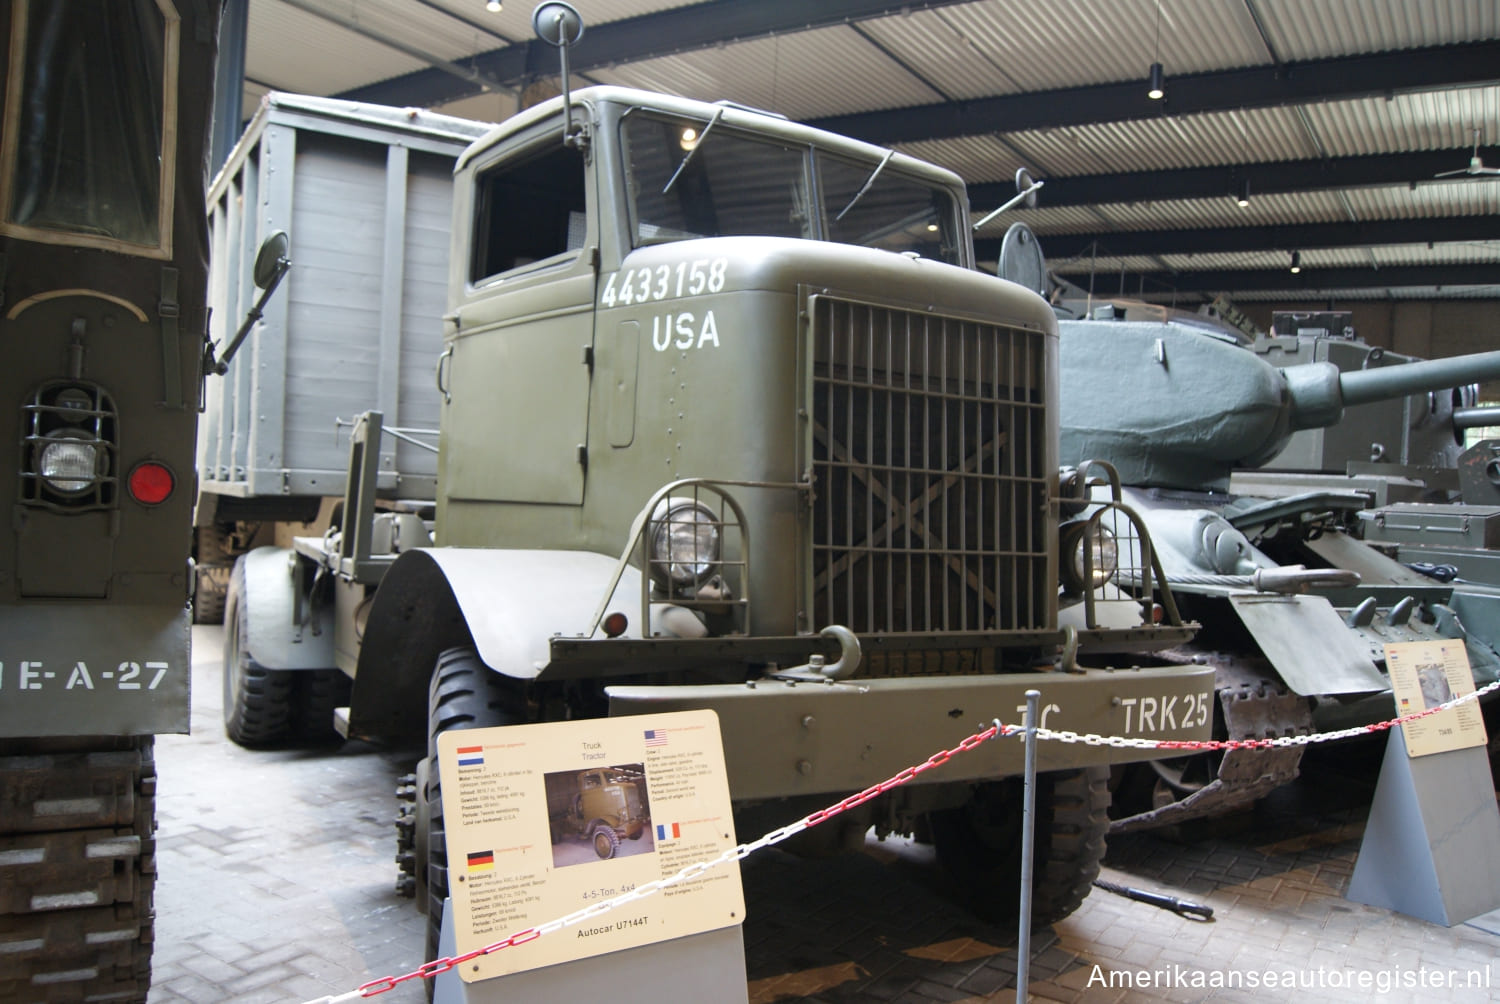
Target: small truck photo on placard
544 820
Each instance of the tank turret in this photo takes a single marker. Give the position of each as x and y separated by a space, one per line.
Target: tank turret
1174 406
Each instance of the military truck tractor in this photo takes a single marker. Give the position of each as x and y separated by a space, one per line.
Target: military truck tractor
602 806
732 421
103 266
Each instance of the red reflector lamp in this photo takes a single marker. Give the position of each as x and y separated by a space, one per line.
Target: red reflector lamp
615 624
151 483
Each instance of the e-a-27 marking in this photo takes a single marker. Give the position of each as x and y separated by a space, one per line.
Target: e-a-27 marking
32 675
1151 714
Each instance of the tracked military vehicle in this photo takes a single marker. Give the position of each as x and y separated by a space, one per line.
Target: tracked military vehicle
1295 607
103 266
730 421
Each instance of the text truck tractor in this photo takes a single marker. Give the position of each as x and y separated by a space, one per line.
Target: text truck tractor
732 421
103 264
602 805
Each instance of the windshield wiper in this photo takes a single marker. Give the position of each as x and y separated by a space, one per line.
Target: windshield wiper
687 157
868 182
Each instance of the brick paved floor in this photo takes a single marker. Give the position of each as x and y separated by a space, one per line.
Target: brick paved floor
277 884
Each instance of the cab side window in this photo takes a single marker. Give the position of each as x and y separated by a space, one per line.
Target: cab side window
529 210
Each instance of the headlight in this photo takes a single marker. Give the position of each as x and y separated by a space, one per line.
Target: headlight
69 464
684 542
1105 556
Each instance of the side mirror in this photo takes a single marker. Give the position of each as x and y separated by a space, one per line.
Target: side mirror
271 263
558 24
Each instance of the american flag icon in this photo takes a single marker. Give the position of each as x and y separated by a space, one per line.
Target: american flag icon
656 737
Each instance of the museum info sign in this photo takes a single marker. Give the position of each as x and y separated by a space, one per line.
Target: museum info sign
1425 674
544 820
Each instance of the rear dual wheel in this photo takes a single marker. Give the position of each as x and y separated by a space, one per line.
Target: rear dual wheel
273 707
979 843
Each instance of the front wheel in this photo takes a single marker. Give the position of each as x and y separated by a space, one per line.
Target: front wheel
606 842
257 701
464 694
979 843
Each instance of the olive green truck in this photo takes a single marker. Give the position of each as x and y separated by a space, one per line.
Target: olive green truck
731 420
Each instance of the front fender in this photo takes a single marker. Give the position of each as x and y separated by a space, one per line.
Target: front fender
263 593
507 603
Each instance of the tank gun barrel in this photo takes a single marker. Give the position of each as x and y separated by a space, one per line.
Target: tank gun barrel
1476 418
1319 392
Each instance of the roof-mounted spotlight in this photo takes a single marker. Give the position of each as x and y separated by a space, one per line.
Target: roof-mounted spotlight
493 6
1157 90
1242 199
1296 262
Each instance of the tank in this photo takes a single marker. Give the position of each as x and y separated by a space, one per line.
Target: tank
1295 606
103 261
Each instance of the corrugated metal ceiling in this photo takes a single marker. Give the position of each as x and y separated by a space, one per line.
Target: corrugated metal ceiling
875 58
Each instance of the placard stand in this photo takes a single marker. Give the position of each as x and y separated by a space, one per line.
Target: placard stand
1431 847
707 967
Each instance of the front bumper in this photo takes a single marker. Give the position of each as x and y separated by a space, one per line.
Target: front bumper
783 739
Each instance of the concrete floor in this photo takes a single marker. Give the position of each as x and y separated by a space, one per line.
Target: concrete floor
277 883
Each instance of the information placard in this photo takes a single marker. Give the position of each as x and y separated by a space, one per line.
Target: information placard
1425 674
543 820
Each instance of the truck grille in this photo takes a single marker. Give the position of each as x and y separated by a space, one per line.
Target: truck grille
929 438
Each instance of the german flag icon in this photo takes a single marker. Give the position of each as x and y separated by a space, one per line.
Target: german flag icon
481 861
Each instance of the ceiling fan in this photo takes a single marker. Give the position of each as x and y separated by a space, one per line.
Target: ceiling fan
1476 166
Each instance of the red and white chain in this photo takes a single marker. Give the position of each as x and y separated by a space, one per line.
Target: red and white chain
692 871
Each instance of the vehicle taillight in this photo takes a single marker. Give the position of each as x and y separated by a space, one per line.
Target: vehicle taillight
151 483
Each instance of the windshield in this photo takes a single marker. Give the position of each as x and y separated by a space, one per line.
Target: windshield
688 180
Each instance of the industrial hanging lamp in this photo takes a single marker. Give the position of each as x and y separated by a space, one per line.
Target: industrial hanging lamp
493 6
1296 262
1158 89
1243 198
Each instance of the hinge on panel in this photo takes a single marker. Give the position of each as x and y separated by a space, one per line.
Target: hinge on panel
588 357
583 456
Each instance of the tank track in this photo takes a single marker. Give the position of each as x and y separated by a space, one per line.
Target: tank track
1255 705
77 868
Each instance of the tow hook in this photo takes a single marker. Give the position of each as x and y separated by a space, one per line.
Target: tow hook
817 669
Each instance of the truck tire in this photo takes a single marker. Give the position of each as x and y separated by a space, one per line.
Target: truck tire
101 853
980 844
606 841
257 701
316 693
464 694
214 560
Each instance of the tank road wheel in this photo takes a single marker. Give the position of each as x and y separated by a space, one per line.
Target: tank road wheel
606 841
76 881
257 701
980 844
464 694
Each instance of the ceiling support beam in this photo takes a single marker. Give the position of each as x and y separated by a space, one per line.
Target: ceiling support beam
1265 179
1342 78
663 33
1282 237
1309 279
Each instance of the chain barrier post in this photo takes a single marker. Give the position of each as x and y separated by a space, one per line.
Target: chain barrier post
1028 846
